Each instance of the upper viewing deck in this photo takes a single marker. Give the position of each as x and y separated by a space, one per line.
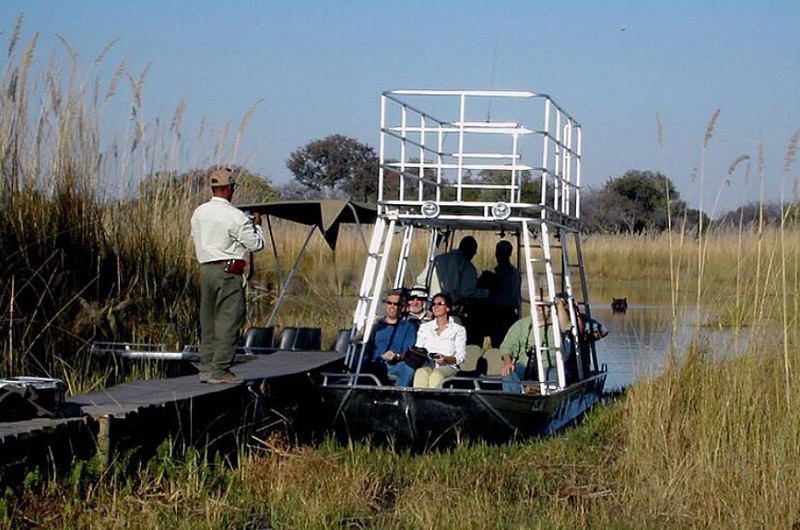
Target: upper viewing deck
478 158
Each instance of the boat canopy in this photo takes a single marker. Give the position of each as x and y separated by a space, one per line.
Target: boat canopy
327 215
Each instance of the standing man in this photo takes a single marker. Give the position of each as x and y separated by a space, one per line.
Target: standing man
223 235
454 274
505 295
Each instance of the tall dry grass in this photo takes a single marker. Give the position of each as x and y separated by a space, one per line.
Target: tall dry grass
714 443
652 269
93 223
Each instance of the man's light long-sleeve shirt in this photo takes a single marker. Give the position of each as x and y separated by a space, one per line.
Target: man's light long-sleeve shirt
222 232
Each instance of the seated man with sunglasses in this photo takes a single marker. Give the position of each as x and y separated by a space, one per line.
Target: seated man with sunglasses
392 336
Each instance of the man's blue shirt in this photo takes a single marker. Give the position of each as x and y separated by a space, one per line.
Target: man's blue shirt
393 337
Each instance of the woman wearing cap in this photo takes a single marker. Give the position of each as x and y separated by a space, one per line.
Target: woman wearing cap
445 340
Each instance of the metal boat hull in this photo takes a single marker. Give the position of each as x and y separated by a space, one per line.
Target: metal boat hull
433 417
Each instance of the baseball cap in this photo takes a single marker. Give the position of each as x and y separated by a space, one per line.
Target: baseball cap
221 177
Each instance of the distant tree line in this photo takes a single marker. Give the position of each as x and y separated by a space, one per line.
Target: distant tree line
638 202
635 203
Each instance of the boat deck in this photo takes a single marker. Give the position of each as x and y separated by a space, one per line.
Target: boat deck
140 415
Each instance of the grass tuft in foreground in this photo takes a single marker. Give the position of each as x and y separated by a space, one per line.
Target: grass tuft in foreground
555 483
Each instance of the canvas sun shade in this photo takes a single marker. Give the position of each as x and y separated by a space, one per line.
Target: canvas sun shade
327 215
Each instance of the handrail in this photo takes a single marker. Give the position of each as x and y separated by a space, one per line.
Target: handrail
464 153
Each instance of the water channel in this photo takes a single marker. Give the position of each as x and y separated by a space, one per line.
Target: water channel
639 341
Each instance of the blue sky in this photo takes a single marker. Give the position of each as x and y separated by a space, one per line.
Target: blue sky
318 68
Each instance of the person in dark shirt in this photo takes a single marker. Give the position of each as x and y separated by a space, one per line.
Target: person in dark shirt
504 294
392 336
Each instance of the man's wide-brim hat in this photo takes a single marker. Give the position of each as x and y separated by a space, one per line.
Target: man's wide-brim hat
418 292
221 177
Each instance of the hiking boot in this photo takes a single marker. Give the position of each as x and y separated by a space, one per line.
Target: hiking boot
225 377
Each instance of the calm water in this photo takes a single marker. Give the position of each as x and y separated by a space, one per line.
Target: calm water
638 342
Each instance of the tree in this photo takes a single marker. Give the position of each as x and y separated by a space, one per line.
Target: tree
690 221
636 202
531 188
411 184
169 186
293 190
751 214
252 188
337 165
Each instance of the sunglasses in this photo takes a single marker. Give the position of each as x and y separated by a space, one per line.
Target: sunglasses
440 303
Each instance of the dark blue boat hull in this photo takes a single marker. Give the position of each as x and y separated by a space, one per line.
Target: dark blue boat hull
433 417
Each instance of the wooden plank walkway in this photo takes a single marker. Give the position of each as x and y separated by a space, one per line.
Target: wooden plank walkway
139 415
132 396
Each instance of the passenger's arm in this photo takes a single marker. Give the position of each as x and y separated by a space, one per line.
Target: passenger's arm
460 340
509 364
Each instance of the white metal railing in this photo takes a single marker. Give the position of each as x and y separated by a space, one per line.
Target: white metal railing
466 148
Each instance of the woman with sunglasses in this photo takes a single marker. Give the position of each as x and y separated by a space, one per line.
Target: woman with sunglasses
445 340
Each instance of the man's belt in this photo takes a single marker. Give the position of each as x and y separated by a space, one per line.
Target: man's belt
234 266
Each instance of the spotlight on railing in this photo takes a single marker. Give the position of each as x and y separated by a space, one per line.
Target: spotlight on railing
430 210
501 211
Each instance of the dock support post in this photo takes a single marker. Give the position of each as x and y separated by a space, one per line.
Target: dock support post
104 445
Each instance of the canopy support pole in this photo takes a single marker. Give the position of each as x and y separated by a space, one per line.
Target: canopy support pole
285 286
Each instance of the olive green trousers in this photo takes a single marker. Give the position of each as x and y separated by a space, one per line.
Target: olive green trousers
222 315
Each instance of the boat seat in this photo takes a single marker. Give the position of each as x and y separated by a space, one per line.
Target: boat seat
470 364
341 341
494 361
494 364
259 340
300 339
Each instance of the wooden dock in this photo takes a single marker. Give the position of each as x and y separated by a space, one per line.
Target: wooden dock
133 419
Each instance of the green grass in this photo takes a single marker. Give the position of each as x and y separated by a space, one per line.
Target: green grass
359 486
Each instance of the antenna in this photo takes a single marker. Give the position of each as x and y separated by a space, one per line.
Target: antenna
491 82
